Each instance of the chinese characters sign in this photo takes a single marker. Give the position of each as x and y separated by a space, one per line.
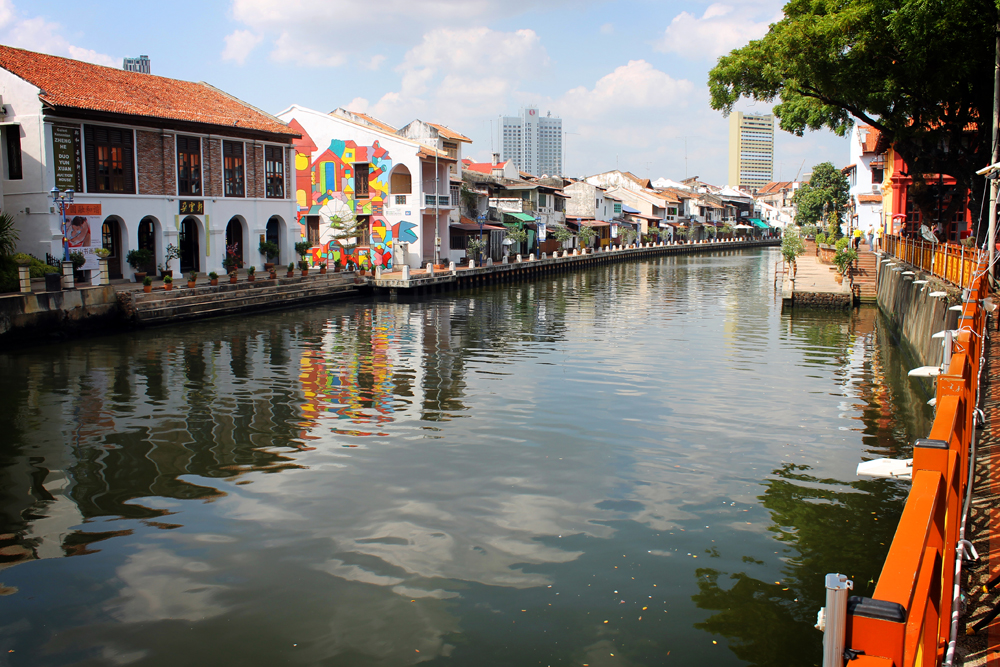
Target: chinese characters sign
192 207
68 158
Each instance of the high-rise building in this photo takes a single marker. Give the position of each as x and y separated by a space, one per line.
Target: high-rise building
140 64
532 142
751 150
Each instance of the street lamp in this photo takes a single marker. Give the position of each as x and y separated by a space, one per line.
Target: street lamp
63 199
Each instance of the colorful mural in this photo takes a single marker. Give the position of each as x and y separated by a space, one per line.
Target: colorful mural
328 187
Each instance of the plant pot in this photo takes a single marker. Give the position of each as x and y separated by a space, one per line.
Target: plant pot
290 274
232 278
273 274
168 286
322 270
839 277
140 276
361 272
251 278
147 288
213 282
268 266
191 284
305 272
164 274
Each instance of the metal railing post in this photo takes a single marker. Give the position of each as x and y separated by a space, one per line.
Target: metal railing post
835 630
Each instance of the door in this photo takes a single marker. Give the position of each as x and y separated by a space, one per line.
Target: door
111 240
147 240
189 246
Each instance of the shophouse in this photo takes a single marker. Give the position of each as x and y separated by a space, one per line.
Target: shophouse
356 173
152 163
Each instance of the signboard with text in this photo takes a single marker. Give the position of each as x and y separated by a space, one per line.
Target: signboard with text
192 207
68 157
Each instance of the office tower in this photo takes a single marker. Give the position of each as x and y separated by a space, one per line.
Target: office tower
751 150
533 142
140 64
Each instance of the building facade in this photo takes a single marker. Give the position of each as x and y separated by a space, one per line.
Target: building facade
533 142
139 65
751 150
152 163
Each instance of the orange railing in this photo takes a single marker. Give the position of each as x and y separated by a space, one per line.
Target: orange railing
952 262
908 620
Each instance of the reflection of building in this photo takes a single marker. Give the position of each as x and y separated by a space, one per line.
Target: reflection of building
153 161
751 150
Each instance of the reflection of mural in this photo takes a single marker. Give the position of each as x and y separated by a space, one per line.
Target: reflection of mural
351 381
328 188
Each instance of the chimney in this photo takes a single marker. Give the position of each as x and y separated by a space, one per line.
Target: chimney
496 159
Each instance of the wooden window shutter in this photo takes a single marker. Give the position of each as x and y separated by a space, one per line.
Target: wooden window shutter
126 139
90 154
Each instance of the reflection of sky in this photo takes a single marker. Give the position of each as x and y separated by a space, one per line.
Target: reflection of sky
376 481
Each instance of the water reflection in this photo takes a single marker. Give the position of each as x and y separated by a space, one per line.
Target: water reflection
479 479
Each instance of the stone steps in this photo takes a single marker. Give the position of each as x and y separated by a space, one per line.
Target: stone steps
208 301
865 276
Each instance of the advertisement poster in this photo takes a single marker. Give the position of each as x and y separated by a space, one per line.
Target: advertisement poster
541 232
614 230
83 233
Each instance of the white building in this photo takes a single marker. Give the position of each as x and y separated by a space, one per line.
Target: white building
152 162
532 142
751 150
865 173
353 171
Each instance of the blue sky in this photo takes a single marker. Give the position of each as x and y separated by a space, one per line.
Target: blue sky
627 78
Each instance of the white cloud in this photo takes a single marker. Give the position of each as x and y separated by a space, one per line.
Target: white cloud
358 104
37 34
239 45
312 51
637 85
374 63
720 29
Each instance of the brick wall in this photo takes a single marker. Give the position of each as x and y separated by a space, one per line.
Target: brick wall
167 142
261 175
213 168
289 175
149 158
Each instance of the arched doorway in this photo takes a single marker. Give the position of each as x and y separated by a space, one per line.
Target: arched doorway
147 240
272 233
400 184
234 237
111 240
189 236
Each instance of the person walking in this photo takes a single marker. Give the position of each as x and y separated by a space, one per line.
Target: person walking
871 237
857 239
878 236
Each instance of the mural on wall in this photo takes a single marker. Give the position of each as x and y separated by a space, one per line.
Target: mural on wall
329 187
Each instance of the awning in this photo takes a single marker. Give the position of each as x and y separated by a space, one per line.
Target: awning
595 223
629 209
474 226
523 217
758 222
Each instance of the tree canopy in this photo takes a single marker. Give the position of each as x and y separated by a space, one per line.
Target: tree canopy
826 192
919 71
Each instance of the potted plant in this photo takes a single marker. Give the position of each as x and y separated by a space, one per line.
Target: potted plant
102 253
213 278
301 248
791 247
270 250
147 284
138 259
171 253
192 279
843 259
337 265
291 270
322 268
273 273
78 260
168 282
250 273
232 261
304 265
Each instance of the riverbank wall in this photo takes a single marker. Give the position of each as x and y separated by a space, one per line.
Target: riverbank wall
35 317
917 306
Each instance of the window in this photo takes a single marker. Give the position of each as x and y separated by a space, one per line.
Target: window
312 229
541 199
232 167
188 165
400 200
274 171
451 149
12 136
400 182
618 207
110 156
877 175
361 179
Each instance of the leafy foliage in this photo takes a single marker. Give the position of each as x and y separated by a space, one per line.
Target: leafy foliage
269 249
919 72
824 198
78 259
844 258
586 235
138 258
791 245
8 235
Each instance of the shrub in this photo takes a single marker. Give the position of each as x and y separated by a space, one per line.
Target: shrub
147 281
78 259
302 247
844 258
791 245
842 243
8 235
268 249
167 279
821 238
138 257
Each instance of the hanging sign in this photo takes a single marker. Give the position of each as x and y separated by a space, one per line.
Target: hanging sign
192 207
68 160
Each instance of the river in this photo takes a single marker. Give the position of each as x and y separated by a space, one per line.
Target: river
640 464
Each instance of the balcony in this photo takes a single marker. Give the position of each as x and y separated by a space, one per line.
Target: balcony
443 201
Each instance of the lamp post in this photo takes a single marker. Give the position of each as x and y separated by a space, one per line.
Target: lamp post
63 199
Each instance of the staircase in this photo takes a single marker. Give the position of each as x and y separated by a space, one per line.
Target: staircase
179 304
865 285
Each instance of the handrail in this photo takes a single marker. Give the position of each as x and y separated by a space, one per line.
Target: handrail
952 262
908 620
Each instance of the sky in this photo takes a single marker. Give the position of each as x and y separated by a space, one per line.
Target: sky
628 78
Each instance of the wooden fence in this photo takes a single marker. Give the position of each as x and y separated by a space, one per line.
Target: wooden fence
952 262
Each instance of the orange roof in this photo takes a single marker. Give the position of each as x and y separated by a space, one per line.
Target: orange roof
869 138
775 186
73 84
449 134
869 199
483 167
431 153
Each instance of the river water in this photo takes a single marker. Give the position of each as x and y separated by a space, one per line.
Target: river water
640 464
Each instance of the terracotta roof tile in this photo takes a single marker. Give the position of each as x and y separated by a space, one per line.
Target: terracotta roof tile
449 134
869 199
78 85
483 167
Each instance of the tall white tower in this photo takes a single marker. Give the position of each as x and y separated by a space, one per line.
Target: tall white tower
533 142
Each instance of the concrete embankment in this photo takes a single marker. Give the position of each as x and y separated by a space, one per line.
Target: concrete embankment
917 307
40 316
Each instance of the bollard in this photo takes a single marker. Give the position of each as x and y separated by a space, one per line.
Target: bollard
378 272
105 274
472 263
430 269
834 619
67 272
504 261
24 277
531 257
489 261
451 267
406 271
518 258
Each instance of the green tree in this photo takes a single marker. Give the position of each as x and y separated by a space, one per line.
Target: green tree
919 72
824 198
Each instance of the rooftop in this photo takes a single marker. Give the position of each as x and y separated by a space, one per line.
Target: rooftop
73 84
